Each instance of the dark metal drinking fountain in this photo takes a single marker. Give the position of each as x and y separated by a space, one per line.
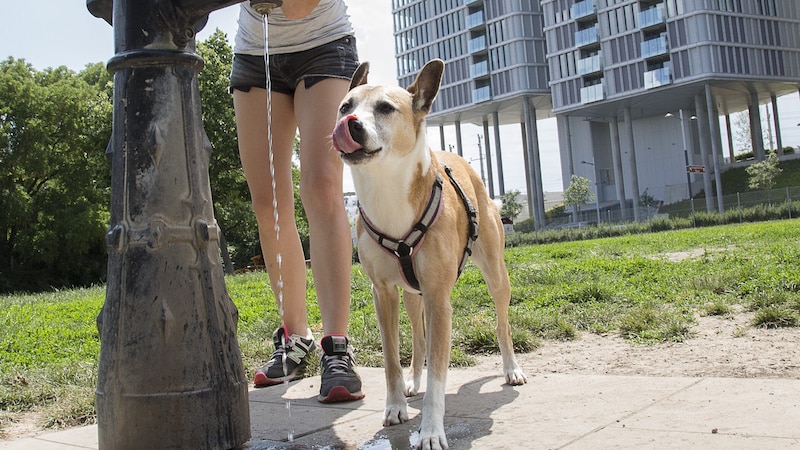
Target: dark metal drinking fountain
170 371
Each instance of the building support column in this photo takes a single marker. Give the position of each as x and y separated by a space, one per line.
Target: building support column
459 147
616 157
488 156
756 132
705 143
528 181
777 124
441 137
533 164
565 133
498 154
716 145
729 133
627 117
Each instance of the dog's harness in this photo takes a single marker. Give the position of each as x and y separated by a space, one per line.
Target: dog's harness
404 249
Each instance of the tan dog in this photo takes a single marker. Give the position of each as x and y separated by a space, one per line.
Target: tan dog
406 220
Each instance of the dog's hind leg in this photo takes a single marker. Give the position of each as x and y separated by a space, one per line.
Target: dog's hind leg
413 303
387 308
491 263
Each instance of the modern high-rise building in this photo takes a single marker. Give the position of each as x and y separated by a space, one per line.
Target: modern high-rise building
638 87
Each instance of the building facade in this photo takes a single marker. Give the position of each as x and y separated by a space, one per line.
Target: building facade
641 89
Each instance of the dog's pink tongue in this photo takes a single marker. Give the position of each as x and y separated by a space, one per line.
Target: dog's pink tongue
342 140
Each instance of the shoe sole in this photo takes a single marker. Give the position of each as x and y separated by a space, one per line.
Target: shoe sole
340 394
260 380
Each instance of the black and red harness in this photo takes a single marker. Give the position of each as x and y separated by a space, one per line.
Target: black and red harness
404 249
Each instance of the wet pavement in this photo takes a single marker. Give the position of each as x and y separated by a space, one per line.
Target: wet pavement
569 411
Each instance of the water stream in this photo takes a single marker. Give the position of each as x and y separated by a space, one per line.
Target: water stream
278 256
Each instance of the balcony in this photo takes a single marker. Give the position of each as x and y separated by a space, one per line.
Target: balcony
481 94
476 44
652 17
589 65
479 69
654 47
592 93
587 36
583 9
475 19
657 77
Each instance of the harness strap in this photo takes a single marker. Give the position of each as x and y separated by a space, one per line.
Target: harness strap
405 248
472 214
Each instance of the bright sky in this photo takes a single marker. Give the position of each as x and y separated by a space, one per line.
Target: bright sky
51 33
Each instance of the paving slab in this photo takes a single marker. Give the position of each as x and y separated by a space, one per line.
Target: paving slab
568 411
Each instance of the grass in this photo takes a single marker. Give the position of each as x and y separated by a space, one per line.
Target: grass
647 288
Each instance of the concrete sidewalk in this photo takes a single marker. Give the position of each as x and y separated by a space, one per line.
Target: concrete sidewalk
551 411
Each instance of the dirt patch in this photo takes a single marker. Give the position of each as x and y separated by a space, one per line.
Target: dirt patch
722 347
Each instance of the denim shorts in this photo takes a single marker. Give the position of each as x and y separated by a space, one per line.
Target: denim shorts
336 59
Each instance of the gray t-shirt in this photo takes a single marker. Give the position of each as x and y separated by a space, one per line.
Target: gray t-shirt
326 23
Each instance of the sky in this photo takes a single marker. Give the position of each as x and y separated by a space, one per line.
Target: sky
65 33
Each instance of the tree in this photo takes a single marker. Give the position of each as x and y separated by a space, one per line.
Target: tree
231 196
54 183
761 175
579 192
511 206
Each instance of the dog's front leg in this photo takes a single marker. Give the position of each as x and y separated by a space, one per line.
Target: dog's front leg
387 308
413 304
438 316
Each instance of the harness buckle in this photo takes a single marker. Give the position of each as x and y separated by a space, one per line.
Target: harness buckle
403 250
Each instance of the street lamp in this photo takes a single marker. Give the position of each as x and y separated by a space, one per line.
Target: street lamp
596 190
669 115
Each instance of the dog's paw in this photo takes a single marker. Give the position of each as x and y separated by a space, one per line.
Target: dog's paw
432 441
412 388
515 376
394 415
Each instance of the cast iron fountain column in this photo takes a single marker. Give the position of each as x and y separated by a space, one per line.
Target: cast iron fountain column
170 372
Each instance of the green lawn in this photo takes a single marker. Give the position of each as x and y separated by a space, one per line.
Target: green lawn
647 287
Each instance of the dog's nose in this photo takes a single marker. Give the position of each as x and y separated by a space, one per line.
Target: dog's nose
356 129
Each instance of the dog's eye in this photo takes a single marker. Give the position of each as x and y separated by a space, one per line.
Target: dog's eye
345 108
384 108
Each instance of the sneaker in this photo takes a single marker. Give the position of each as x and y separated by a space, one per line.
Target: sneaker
289 360
340 382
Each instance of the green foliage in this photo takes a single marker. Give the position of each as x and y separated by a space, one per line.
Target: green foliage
648 288
578 193
762 174
54 183
511 206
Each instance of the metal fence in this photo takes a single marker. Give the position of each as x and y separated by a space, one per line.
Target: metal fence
776 203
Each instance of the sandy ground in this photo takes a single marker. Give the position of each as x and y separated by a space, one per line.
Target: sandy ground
721 347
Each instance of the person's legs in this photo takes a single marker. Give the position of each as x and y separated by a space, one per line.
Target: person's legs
321 192
251 125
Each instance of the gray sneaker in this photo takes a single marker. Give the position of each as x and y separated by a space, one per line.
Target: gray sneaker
288 362
340 382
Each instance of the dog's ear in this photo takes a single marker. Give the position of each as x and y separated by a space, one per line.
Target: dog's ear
426 86
360 75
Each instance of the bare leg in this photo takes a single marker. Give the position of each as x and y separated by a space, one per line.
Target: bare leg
321 192
251 127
